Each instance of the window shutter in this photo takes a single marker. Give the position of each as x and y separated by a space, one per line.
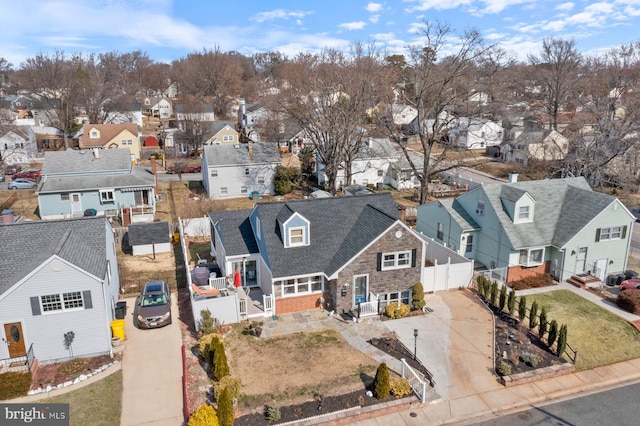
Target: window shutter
597 235
86 296
624 232
379 263
35 306
414 252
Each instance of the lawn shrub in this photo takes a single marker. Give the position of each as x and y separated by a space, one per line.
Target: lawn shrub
225 408
381 385
562 340
207 322
220 363
504 369
494 293
542 328
205 415
522 308
207 344
553 332
529 359
629 300
535 281
229 382
399 386
502 301
483 285
417 296
13 385
272 412
511 302
396 310
533 315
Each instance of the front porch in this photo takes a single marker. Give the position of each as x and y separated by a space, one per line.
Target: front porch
19 364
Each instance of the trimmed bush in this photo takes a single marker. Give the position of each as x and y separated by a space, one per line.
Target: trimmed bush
225 408
229 382
542 328
511 302
13 385
529 359
562 340
417 296
207 344
205 415
502 301
483 284
207 322
494 293
399 386
533 315
629 300
553 333
522 308
381 385
220 363
396 310
504 369
272 412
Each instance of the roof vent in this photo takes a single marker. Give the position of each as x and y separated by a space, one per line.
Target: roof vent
236 146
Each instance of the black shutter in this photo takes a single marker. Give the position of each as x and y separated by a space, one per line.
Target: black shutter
624 232
86 296
379 264
35 306
414 252
597 235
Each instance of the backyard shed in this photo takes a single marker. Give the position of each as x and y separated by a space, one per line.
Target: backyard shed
149 238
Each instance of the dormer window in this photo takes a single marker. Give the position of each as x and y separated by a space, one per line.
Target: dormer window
296 237
523 213
95 134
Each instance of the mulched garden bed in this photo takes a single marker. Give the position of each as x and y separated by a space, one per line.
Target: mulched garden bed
313 408
514 339
390 344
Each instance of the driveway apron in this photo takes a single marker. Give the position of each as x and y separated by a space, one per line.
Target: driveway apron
152 373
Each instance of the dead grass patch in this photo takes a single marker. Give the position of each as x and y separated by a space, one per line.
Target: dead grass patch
136 270
321 362
25 203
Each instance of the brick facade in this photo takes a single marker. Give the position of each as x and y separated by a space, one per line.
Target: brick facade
516 273
286 305
379 281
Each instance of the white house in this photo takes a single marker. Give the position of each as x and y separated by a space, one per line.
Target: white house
16 147
475 133
240 170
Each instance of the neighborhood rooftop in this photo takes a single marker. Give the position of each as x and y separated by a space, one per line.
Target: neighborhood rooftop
72 161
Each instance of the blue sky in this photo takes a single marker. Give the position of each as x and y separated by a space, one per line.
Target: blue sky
170 29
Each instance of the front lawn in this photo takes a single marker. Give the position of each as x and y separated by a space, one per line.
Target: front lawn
97 404
599 336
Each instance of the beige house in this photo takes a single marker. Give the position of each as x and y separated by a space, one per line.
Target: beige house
223 132
107 136
543 145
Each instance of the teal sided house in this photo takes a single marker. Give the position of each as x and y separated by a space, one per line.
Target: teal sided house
102 182
59 278
559 226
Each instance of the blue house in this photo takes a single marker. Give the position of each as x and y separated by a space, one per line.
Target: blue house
101 182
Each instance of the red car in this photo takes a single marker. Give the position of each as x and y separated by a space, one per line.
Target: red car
630 284
196 168
29 174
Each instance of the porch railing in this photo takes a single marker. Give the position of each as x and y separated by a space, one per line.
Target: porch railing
370 308
218 283
418 385
17 364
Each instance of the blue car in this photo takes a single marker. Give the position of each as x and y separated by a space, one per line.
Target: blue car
22 183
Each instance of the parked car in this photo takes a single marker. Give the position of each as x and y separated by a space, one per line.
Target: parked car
176 168
22 183
630 284
636 213
153 306
29 174
9 170
1 178
194 168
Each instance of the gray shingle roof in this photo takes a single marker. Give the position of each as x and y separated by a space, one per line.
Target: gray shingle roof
229 155
81 242
340 227
235 231
148 233
72 161
459 214
137 178
563 207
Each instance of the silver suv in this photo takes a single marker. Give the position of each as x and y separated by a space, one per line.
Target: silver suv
153 306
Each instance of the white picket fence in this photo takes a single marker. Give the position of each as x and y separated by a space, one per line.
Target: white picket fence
418 385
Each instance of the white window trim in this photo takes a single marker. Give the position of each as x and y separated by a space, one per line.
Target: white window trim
62 303
307 279
289 236
529 262
396 260
110 200
611 233
213 173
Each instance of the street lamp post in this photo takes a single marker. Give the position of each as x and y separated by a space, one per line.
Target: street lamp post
415 343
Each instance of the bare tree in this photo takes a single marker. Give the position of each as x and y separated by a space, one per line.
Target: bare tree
557 70
194 128
436 79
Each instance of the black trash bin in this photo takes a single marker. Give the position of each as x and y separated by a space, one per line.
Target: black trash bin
630 274
121 310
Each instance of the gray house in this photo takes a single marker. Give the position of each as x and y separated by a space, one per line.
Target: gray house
103 180
230 171
59 277
559 226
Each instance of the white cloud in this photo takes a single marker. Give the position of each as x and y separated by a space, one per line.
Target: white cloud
374 19
565 6
351 26
374 7
383 36
279 14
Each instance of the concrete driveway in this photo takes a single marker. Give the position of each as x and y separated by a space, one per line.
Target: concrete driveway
455 342
152 372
